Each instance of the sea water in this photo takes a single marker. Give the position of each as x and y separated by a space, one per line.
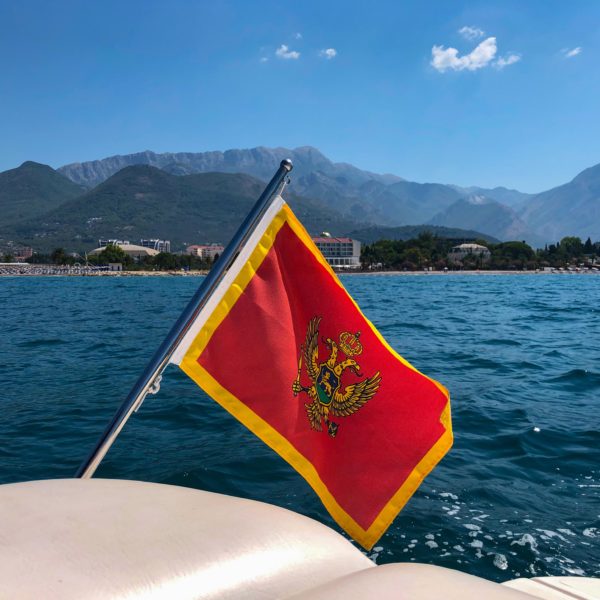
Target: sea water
518 495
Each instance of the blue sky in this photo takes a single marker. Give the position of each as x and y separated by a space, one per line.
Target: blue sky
387 86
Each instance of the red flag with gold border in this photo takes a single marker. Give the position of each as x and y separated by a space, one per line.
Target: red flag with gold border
283 347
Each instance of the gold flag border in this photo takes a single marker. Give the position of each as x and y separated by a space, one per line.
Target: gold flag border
269 435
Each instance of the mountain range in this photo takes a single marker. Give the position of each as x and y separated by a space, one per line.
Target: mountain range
390 200
142 201
193 197
361 195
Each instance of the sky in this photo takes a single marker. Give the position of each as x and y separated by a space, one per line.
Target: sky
471 93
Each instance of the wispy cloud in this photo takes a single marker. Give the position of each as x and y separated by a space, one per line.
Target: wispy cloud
328 53
298 36
443 59
284 52
471 33
572 52
505 61
264 59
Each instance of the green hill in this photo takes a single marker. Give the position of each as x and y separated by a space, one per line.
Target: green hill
373 234
144 202
31 190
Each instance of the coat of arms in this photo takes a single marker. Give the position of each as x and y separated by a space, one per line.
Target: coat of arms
325 392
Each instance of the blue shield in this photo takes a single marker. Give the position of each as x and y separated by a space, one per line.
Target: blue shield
327 384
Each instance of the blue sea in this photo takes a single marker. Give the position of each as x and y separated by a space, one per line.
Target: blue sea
517 496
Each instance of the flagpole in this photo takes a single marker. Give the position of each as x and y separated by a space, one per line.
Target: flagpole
150 378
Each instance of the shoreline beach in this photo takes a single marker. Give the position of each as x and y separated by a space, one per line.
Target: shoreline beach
66 273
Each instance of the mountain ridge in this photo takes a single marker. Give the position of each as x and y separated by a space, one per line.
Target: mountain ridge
481 213
264 160
131 205
382 199
358 197
573 207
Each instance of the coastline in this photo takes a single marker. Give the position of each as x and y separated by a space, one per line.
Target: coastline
482 272
112 274
354 273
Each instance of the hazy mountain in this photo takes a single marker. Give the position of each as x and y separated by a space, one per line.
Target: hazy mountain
143 201
512 198
33 189
570 209
369 235
485 215
259 162
406 202
360 195
314 176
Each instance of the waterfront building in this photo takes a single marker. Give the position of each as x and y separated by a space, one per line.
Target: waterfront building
23 253
136 252
206 251
103 242
343 252
18 252
458 253
156 244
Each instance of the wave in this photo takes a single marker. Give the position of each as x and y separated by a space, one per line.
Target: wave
501 342
42 342
578 380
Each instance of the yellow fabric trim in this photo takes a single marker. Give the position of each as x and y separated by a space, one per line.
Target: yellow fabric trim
272 437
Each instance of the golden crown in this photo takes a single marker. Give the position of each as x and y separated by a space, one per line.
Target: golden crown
349 343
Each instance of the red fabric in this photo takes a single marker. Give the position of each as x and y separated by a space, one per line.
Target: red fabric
254 355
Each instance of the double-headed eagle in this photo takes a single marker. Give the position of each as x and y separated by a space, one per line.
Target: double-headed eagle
325 393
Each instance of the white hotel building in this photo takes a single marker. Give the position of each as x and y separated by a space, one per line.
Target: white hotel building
205 251
341 253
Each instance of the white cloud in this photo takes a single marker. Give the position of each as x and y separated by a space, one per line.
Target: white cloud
284 52
471 33
443 59
505 61
263 59
328 53
298 36
573 52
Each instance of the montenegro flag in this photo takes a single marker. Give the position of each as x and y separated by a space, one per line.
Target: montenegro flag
284 348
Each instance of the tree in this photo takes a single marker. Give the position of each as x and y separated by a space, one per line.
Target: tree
39 259
166 261
572 246
59 256
512 255
422 251
113 254
412 259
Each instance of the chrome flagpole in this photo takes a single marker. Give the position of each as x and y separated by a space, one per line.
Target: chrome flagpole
149 382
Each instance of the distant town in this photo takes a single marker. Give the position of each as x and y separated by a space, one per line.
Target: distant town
426 252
